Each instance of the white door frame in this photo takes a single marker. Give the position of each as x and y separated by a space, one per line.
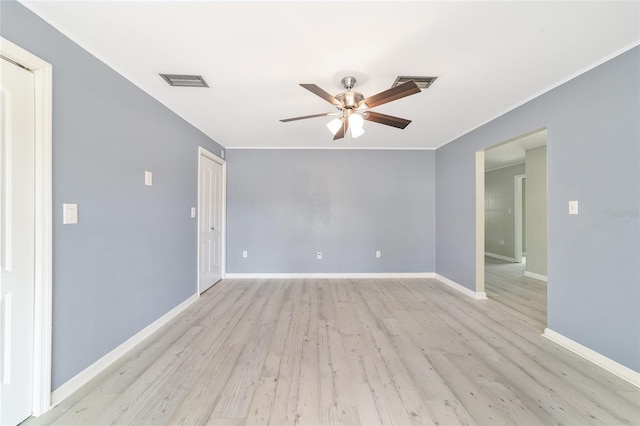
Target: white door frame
480 243
42 72
517 182
223 244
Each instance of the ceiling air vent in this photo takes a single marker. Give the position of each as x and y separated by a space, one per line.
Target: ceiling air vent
422 82
184 80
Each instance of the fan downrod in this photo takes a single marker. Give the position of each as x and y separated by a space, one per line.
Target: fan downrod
348 82
349 99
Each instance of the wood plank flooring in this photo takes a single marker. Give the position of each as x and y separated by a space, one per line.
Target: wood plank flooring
505 282
358 352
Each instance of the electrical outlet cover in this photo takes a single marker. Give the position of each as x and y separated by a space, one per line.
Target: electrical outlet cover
573 207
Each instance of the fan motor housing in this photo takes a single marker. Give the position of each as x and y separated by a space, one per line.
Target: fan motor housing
349 99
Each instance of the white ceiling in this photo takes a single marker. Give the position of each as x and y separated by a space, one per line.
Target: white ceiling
489 57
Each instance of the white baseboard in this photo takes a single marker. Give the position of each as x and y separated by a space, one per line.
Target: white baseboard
322 275
73 384
501 257
535 276
598 359
373 275
478 295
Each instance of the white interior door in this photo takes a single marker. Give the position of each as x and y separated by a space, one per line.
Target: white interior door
210 222
17 244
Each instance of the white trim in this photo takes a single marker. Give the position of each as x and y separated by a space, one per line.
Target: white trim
202 152
43 72
545 90
518 215
477 295
480 231
598 359
330 275
499 256
80 379
535 276
334 148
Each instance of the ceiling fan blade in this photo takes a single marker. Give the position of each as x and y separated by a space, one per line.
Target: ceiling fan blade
388 120
400 91
342 130
324 95
324 114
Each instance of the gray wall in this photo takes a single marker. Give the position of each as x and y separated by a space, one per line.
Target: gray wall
283 206
499 210
132 256
536 207
592 156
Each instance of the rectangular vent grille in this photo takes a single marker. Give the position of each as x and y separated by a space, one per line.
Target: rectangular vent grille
184 80
422 82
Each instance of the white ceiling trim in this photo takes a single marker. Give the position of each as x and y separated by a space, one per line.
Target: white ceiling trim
339 148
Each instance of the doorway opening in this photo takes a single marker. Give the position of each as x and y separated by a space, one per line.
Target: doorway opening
511 223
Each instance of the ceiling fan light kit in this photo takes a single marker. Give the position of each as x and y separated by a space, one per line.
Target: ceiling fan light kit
356 132
356 124
354 107
334 125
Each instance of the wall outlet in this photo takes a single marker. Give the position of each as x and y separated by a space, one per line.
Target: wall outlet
319 255
222 153
573 207
244 254
378 254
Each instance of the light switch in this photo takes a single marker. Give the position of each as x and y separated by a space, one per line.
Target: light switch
148 178
222 153
69 214
193 212
573 207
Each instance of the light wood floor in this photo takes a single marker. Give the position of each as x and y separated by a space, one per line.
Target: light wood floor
310 352
505 282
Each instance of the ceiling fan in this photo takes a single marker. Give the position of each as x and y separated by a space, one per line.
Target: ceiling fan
354 107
